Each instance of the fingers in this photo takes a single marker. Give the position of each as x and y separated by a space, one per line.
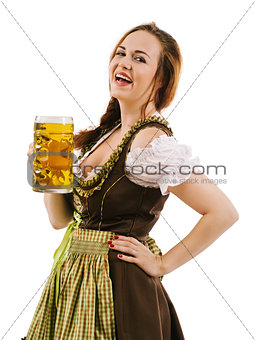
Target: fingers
30 149
139 253
146 245
127 245
128 239
122 245
124 249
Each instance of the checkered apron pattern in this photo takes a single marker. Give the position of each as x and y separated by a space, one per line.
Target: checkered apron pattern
85 308
85 303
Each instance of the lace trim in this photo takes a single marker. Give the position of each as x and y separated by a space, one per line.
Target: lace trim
142 154
176 157
114 157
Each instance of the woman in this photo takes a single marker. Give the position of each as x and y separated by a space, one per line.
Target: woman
105 282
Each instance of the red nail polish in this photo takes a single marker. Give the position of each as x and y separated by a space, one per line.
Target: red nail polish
116 237
109 242
111 245
120 255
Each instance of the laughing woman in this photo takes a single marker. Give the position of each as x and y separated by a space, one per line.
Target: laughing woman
105 282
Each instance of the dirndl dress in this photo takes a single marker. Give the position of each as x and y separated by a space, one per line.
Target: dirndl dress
91 293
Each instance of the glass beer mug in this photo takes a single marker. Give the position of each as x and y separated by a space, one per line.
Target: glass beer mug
53 154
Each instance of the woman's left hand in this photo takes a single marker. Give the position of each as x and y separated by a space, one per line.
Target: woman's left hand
141 254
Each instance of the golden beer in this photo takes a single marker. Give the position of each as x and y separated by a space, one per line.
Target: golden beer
53 154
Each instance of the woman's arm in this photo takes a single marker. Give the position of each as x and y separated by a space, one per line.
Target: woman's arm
218 212
59 211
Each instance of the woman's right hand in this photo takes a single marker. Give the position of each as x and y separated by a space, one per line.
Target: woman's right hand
30 149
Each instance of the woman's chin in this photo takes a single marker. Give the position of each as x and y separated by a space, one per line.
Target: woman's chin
120 95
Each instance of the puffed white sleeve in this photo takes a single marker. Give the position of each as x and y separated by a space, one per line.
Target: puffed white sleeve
166 163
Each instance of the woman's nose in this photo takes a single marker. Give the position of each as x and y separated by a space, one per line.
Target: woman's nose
125 64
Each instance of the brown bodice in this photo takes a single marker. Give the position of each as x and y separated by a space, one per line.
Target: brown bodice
111 201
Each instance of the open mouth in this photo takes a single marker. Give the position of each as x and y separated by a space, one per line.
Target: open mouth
122 80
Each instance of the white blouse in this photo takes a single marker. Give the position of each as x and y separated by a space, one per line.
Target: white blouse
166 163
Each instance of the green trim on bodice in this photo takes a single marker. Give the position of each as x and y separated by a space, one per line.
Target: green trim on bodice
84 187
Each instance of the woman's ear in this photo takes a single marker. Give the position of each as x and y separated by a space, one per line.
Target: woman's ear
160 84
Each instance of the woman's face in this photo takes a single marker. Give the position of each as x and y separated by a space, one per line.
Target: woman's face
137 58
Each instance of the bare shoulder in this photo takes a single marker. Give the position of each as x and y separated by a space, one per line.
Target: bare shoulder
146 136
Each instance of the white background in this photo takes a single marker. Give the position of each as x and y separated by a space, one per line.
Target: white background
214 293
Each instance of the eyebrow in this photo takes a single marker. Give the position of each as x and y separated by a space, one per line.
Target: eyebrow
136 51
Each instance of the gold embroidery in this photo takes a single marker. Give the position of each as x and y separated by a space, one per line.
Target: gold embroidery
84 188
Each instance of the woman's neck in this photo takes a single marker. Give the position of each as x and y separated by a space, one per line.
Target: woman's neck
129 116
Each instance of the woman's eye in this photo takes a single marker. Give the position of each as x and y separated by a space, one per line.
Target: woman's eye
122 53
141 59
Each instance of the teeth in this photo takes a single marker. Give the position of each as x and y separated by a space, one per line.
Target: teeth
123 77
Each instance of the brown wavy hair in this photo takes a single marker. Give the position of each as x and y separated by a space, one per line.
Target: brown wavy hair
168 73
